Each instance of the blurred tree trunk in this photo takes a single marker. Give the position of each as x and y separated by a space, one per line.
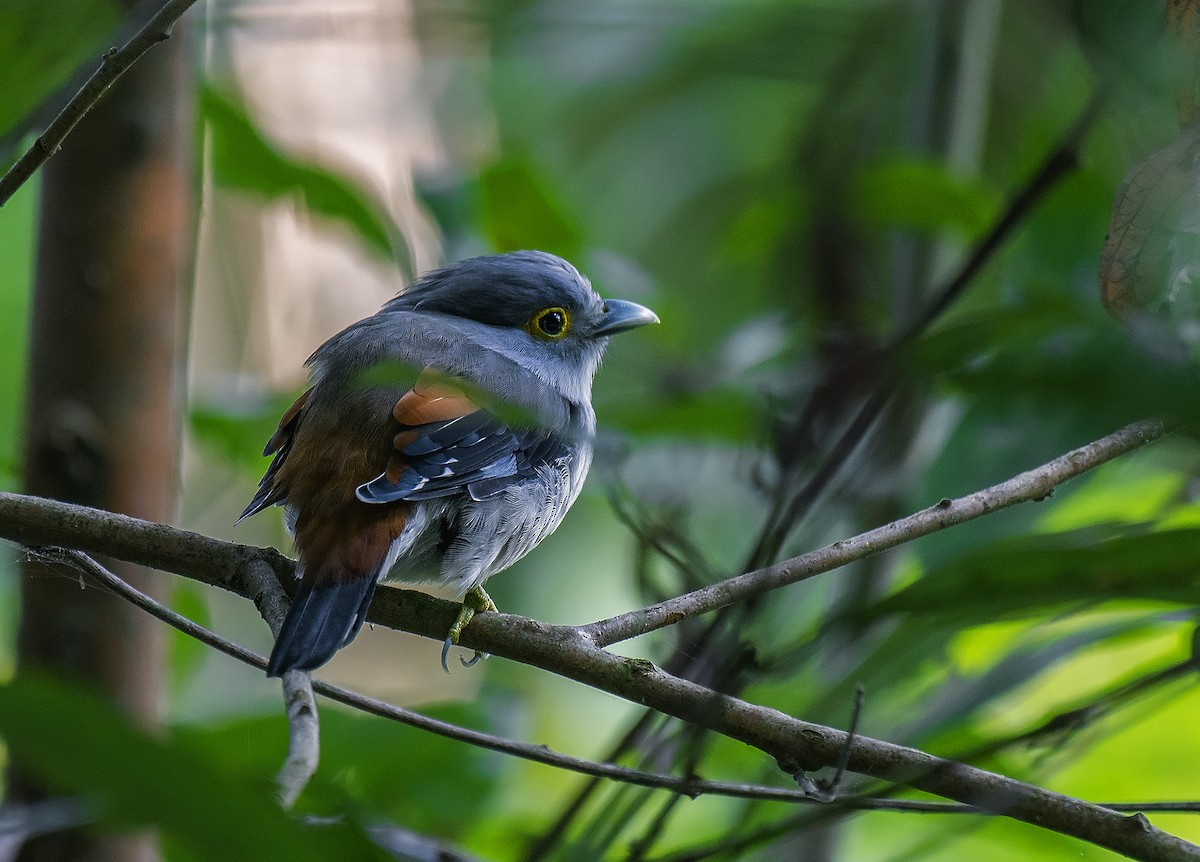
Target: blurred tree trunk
103 408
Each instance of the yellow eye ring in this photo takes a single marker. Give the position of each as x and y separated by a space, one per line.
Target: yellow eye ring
550 324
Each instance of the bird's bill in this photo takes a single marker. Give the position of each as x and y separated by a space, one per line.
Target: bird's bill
620 315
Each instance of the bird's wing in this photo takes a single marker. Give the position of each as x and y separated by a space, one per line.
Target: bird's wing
279 445
343 547
448 444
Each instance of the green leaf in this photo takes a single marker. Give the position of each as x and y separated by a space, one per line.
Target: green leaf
445 785
43 44
965 337
237 436
727 415
902 192
243 159
519 211
17 232
1106 374
960 695
1025 574
79 743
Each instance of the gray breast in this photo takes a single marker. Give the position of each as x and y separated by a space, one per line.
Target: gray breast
461 542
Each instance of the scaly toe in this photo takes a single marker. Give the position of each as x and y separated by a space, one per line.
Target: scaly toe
475 601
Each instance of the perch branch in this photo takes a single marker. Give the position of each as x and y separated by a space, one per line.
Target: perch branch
572 653
692 787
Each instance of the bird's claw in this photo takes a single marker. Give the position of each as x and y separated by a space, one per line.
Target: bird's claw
475 601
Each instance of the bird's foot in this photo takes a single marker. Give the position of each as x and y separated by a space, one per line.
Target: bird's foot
474 602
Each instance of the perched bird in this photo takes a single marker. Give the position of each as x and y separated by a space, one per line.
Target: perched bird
442 438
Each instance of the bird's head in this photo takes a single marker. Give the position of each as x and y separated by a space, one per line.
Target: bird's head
538 311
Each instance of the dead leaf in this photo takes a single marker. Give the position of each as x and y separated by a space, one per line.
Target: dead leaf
1152 251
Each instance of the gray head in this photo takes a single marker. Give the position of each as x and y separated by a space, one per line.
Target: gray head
544 313
514 290
525 327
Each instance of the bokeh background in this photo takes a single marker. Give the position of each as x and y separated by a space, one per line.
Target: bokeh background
791 185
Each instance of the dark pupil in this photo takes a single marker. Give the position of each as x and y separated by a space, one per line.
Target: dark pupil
551 322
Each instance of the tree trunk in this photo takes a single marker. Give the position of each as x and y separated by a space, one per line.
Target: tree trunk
103 408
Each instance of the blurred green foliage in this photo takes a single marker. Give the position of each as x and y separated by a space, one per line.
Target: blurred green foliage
242 159
136 779
44 44
789 184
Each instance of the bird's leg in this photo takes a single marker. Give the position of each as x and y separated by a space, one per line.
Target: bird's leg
475 601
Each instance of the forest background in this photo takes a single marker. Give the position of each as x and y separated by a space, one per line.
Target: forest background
876 236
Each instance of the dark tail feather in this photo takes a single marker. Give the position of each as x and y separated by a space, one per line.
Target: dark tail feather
322 620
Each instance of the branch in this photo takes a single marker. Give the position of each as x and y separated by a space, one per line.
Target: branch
1061 161
691 787
1036 484
572 653
112 66
304 732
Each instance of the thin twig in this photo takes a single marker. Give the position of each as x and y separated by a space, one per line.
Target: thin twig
537 753
691 787
1035 484
112 66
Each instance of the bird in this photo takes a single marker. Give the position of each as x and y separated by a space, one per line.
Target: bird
440 439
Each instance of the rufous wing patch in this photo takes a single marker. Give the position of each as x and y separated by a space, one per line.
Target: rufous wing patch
433 398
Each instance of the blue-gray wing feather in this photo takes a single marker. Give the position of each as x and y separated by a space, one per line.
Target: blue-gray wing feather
477 454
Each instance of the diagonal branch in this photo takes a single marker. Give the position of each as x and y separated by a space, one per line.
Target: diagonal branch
1036 484
691 787
113 65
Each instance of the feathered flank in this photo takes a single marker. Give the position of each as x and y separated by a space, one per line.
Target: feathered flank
279 445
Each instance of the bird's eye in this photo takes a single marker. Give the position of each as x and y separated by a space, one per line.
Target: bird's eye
550 324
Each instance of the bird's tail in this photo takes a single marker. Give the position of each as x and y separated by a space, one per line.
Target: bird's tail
323 619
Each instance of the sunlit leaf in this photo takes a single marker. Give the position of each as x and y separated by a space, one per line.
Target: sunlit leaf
1031 573
1122 492
961 695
